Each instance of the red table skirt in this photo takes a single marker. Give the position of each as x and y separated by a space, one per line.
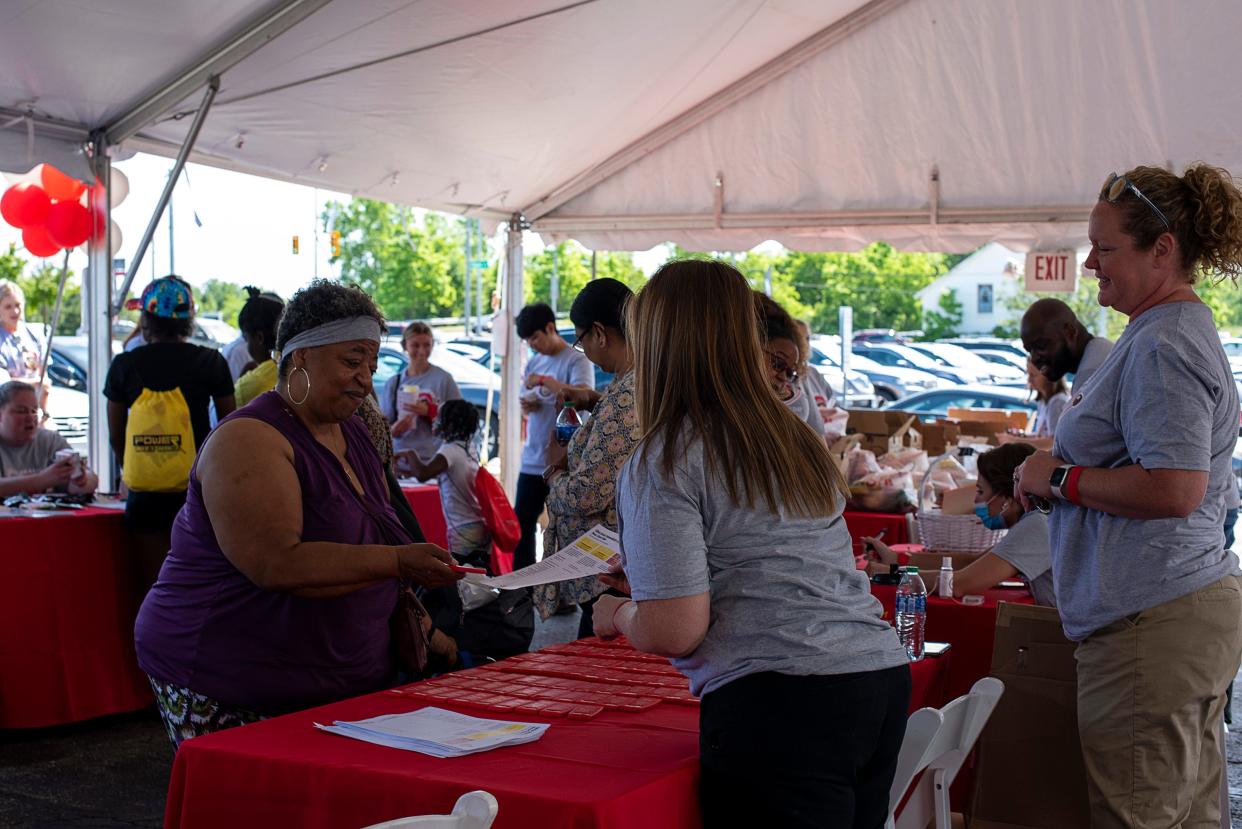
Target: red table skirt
425 501
67 605
616 771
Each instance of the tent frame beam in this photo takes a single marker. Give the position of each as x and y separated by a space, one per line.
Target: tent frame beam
220 59
213 86
570 225
679 125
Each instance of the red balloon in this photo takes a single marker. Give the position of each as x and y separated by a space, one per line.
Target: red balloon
58 185
38 242
68 223
25 205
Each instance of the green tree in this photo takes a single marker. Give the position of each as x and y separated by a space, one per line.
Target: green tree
224 298
412 268
1082 301
40 287
573 270
947 321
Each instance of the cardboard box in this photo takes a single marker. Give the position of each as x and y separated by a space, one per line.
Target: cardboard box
884 431
1007 418
939 436
840 450
1029 771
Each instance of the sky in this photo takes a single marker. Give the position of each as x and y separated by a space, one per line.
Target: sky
244 232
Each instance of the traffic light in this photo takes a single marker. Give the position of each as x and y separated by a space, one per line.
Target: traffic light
295 245
336 243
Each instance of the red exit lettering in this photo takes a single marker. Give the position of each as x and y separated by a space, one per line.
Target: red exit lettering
1050 269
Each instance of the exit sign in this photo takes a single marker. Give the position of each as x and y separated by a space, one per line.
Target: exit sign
1052 271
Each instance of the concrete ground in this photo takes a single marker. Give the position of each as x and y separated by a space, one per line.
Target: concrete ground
113 772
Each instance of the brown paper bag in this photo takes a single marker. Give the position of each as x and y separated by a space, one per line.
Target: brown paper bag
1029 770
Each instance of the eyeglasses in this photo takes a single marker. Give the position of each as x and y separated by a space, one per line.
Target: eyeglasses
778 364
1115 186
577 343
23 411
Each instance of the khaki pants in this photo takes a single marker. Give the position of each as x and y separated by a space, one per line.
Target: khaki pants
1151 694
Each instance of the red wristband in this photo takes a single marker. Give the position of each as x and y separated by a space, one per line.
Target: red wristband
1070 488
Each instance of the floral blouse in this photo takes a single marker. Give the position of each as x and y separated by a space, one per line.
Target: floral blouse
584 495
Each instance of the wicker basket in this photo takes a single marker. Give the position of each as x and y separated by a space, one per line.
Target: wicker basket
951 533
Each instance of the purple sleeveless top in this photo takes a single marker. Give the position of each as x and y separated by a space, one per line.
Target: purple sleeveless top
206 627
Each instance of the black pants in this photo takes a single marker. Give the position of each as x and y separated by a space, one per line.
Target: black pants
802 751
531 493
586 624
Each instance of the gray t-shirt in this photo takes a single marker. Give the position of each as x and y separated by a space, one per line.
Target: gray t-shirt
456 483
1093 356
570 366
1025 546
804 406
437 383
1164 399
785 595
35 456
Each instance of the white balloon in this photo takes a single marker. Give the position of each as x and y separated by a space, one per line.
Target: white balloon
120 187
114 232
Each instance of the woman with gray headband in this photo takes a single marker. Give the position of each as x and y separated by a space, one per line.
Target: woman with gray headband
285 563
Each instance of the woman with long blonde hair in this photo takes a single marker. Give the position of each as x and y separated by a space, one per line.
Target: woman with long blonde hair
741 570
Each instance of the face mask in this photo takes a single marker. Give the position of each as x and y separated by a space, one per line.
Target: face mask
992 522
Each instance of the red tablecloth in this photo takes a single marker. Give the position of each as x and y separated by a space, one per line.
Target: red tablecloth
67 607
617 770
870 523
970 629
425 501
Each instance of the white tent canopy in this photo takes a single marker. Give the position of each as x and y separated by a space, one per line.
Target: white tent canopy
716 124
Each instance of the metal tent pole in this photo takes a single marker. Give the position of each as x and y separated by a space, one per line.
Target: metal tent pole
511 373
98 318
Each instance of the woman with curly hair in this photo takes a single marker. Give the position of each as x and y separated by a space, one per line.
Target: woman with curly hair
1140 473
285 563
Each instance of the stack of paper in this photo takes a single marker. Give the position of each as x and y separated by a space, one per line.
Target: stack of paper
596 551
438 732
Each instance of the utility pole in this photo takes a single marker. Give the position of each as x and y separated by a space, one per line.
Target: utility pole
171 244
556 281
469 272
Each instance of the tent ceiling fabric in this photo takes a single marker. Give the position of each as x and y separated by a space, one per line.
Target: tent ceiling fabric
1018 104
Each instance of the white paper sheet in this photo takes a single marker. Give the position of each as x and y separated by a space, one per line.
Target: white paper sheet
596 551
438 732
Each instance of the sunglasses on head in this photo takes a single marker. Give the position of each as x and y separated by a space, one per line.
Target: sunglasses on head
1115 186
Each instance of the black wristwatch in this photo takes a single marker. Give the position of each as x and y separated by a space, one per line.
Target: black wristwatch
1057 480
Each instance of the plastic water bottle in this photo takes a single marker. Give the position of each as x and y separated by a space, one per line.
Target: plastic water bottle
911 612
944 586
567 422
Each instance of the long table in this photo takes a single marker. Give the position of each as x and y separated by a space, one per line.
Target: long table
67 604
618 770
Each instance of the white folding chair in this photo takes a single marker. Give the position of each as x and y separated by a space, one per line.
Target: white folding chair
473 810
937 743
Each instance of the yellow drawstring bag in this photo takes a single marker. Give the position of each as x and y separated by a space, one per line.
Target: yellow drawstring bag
159 443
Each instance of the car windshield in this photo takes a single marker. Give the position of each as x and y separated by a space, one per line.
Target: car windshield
917 358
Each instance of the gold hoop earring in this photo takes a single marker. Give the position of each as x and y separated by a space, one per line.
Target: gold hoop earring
305 396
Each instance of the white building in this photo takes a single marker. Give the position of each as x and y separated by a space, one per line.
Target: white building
984 281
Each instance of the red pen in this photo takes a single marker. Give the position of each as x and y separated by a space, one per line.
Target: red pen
457 568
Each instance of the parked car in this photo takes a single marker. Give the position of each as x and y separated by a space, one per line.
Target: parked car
965 361
889 382
218 331
474 381
68 402
930 405
1004 358
901 356
856 392
878 335
987 344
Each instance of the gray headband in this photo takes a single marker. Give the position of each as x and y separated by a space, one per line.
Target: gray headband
337 331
